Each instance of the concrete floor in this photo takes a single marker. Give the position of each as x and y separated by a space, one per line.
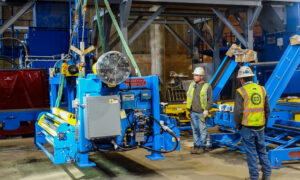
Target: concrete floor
19 159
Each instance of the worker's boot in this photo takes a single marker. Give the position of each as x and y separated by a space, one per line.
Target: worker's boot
197 151
266 178
248 178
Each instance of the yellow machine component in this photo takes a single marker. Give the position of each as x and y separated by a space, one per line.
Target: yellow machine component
72 70
178 110
64 68
231 103
94 68
47 126
294 100
297 117
69 70
50 122
68 74
175 109
65 115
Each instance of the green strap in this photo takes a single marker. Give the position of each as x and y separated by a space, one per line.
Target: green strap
122 39
80 75
60 91
100 27
78 7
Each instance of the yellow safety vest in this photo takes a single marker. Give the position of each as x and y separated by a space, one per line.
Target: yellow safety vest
202 95
254 102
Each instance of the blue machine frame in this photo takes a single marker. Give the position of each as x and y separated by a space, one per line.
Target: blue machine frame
13 118
69 141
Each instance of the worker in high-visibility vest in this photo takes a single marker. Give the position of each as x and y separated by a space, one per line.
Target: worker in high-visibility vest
251 113
199 102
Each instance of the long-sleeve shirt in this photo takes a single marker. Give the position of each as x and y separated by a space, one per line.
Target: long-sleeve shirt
196 105
239 108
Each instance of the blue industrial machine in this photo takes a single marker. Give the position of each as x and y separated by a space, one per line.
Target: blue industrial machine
281 130
113 112
279 23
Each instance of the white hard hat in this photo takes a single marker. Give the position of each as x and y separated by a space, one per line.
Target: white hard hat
199 71
245 71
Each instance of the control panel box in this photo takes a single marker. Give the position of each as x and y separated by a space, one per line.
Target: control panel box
102 116
128 100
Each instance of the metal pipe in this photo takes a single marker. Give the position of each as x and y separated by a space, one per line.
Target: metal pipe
12 41
271 63
25 48
41 56
1 35
70 17
31 60
160 21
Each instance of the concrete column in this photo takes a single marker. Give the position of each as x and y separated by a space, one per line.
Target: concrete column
249 33
157 48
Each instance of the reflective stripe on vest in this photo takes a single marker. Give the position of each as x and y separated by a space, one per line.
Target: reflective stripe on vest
264 100
202 95
254 100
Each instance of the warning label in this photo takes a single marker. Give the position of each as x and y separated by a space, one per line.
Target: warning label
113 101
135 82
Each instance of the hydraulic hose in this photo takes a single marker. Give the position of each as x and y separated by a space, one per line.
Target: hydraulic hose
172 133
166 129
19 41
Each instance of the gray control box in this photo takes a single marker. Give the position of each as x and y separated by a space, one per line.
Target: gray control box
102 116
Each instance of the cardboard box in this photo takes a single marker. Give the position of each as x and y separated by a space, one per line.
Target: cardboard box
247 56
295 40
242 55
233 50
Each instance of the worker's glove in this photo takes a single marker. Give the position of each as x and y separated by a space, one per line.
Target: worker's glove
205 113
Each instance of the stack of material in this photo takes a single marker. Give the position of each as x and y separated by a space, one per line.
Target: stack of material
242 55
